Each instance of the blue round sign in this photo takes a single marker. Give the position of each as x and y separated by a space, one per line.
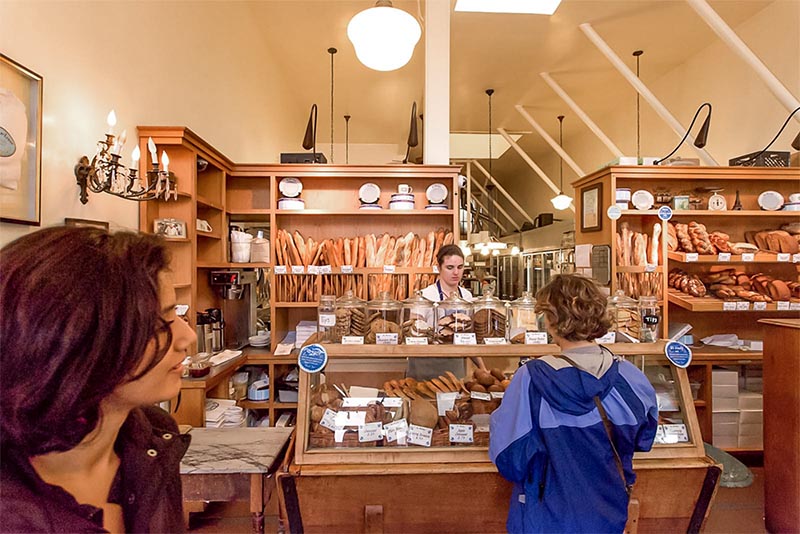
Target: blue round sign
665 213
679 354
312 358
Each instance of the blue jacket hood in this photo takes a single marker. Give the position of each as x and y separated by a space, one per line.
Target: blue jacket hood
568 389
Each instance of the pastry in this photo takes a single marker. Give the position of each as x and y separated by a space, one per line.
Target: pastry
682 232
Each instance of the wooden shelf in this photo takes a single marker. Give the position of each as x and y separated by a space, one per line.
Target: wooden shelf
712 354
759 257
296 304
176 239
700 404
253 405
367 213
639 269
182 286
731 213
713 304
206 203
284 405
208 235
230 265
365 270
249 215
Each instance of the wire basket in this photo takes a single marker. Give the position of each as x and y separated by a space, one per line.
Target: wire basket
761 159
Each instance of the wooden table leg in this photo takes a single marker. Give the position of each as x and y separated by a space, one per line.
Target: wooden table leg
373 519
257 501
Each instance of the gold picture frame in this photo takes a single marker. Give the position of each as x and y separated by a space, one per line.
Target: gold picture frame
591 200
20 144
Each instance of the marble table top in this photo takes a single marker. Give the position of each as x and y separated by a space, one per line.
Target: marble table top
234 450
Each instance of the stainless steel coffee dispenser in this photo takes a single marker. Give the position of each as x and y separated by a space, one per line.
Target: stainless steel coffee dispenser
238 291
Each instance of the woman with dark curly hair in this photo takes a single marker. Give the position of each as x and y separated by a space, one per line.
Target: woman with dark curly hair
549 437
90 342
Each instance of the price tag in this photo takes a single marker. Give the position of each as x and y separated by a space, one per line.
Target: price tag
445 401
436 269
794 306
759 306
386 339
396 431
280 269
729 306
388 269
650 267
338 435
298 269
742 306
363 402
324 269
783 256
691 256
327 319
416 341
463 338
796 258
480 396
419 435
461 434
614 212
783 305
313 269
748 256
329 419
724 256
352 340
536 338
370 432
347 269
676 433
608 337
494 341
497 394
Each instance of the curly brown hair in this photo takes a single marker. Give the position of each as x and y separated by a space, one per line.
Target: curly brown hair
575 307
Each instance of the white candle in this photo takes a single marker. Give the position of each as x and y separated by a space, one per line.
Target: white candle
151 146
135 157
165 161
111 120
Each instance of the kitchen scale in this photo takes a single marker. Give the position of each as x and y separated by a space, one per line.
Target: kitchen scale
717 202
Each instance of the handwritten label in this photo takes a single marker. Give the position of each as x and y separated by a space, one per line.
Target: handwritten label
461 434
419 435
536 338
298 269
352 340
416 341
796 258
327 319
362 402
324 269
313 269
370 432
742 306
729 306
435 269
386 338
608 337
445 401
396 431
724 256
280 269
782 305
388 269
338 435
497 394
794 306
748 256
329 419
650 267
347 269
463 338
783 257
759 306
676 433
494 341
480 396
691 256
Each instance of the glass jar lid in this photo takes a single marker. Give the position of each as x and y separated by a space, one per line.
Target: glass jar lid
350 300
384 302
525 301
417 301
455 302
648 301
488 300
621 300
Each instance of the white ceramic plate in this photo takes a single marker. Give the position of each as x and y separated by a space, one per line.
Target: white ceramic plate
770 200
290 187
791 206
436 193
397 197
642 200
369 193
370 207
401 205
436 207
291 204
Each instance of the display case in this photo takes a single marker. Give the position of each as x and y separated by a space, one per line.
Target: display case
540 265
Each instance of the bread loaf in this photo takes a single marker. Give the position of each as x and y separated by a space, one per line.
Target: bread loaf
654 248
682 232
672 238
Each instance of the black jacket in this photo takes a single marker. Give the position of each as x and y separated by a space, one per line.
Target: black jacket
147 485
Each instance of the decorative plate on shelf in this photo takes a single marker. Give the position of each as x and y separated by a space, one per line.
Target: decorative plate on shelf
770 200
642 199
369 193
436 193
290 187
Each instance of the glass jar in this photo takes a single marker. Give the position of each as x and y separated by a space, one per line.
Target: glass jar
454 317
419 319
650 319
522 318
326 318
351 316
624 314
383 320
489 318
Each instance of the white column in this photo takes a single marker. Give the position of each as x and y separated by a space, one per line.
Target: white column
637 84
550 141
733 41
436 143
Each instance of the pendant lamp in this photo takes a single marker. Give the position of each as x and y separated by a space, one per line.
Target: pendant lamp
383 36
562 201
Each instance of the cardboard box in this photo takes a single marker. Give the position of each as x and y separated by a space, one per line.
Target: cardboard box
724 377
719 391
755 383
749 400
726 442
754 429
725 404
749 417
725 429
725 417
750 442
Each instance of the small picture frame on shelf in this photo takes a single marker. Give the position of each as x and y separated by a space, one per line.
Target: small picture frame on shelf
591 198
169 227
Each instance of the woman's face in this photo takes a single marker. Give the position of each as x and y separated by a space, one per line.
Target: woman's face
163 381
451 270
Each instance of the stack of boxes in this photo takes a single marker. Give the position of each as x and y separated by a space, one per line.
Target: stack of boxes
738 405
751 409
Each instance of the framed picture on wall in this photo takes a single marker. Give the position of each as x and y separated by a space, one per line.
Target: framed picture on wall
591 199
20 143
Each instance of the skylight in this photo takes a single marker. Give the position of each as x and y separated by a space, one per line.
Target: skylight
526 7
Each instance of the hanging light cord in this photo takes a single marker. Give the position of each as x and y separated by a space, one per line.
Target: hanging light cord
489 184
561 161
347 139
332 51
637 54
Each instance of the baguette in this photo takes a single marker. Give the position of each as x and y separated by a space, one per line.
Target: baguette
448 238
301 246
429 257
654 248
347 252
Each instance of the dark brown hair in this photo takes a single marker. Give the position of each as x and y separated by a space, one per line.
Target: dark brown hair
575 307
79 307
448 250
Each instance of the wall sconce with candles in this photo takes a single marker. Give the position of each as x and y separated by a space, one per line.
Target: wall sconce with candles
106 174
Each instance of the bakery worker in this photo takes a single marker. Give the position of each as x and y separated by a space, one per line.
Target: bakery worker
450 261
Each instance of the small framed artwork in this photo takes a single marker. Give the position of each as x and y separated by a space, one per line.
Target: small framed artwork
85 222
591 198
20 143
169 227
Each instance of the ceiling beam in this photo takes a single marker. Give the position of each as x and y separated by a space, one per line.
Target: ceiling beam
500 187
550 141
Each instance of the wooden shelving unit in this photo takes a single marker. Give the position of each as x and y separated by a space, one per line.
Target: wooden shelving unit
734 259
713 304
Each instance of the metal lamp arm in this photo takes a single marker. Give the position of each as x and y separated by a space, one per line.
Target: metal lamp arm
755 157
689 129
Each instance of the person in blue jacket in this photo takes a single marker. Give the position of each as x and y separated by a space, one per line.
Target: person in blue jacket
548 436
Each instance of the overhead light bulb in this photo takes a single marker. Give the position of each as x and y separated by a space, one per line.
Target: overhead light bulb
514 250
465 250
383 36
485 251
496 252
561 202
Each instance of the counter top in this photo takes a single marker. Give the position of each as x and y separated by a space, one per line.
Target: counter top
234 450
788 323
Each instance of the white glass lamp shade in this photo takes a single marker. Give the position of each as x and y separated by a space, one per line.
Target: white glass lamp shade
561 202
384 37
